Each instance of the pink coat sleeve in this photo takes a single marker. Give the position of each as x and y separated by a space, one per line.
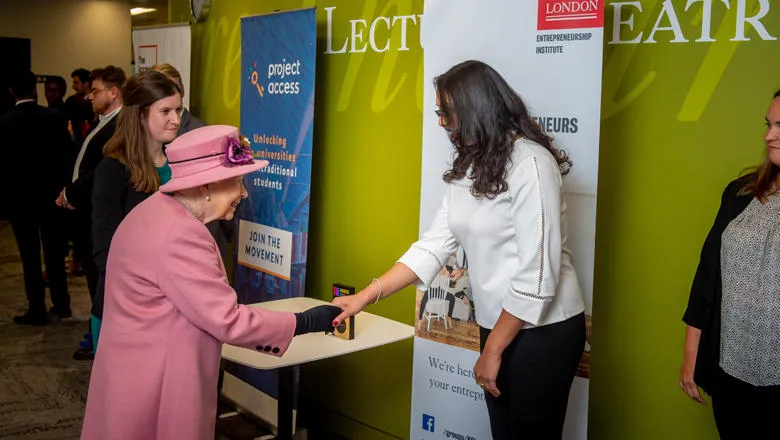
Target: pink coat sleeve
193 279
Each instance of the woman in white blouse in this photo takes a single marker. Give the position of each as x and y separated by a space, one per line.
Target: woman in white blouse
504 206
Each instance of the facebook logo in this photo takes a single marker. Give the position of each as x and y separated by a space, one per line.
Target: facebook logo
428 423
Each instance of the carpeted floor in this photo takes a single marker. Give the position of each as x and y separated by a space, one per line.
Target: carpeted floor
42 389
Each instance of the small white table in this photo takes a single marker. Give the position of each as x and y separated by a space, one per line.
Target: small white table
370 331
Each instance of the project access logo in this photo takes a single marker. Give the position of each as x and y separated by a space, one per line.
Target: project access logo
428 423
570 14
281 79
255 78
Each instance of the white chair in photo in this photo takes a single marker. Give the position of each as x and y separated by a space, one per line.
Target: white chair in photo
437 307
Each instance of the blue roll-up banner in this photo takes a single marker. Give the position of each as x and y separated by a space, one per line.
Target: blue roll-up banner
278 55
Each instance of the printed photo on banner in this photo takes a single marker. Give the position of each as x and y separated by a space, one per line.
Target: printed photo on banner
445 311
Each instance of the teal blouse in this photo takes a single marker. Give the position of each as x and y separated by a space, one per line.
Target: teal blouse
165 173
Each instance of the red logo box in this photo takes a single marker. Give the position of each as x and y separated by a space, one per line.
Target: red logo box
570 14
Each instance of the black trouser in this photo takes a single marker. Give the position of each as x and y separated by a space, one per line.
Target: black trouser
537 370
744 411
30 231
82 247
82 251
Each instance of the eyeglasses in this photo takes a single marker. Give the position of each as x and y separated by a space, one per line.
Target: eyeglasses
443 116
95 91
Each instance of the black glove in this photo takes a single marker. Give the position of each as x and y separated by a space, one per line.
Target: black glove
316 319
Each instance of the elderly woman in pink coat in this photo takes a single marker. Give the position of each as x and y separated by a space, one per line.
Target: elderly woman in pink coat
168 306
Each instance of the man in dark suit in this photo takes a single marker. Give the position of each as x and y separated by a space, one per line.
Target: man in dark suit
107 102
78 108
35 142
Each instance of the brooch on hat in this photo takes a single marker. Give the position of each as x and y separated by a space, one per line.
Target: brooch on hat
238 151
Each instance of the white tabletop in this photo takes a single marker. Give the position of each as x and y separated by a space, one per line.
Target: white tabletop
370 331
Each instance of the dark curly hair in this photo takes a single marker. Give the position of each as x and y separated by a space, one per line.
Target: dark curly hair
485 117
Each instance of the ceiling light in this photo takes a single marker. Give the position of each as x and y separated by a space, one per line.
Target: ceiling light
139 11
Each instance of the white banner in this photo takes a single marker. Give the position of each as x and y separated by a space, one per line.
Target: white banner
551 55
169 44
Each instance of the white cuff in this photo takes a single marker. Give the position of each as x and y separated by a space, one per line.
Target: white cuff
423 263
527 307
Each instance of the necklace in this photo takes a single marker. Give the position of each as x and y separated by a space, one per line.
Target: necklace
189 207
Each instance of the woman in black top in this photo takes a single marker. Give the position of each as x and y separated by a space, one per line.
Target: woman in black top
134 166
732 341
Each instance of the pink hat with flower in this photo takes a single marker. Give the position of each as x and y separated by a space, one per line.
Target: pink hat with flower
206 155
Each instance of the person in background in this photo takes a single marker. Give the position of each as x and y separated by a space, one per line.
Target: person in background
54 88
81 120
77 196
168 306
78 106
188 120
732 337
134 166
222 231
34 141
503 204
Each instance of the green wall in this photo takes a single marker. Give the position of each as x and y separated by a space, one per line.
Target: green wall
679 121
365 186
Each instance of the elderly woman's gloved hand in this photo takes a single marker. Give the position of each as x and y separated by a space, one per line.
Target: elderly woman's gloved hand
316 319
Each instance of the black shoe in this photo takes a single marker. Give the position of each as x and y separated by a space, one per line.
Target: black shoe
37 319
84 354
62 314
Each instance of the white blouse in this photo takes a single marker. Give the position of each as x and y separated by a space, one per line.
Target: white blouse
515 243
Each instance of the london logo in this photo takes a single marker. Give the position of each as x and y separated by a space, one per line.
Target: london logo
570 14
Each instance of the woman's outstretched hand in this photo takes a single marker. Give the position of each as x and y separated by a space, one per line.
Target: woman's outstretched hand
349 305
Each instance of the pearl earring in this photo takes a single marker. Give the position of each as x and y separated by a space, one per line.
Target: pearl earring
208 198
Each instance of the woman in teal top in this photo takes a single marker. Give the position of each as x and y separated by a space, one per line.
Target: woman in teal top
165 173
134 166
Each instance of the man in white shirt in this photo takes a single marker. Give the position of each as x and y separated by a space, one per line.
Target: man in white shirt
107 102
